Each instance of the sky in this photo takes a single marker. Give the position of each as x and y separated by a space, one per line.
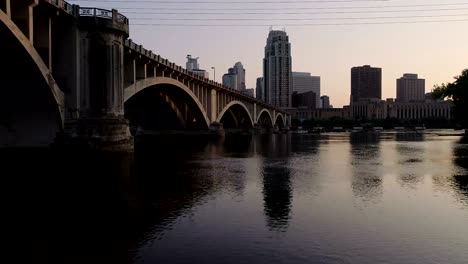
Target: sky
327 38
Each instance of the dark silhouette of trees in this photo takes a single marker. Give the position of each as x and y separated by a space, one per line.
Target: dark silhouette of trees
458 92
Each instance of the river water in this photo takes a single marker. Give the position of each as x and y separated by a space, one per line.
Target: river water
329 198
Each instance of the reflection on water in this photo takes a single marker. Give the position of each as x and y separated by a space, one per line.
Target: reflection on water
277 192
461 159
260 199
412 136
410 159
365 158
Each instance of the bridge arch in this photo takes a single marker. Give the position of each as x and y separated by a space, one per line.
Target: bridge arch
231 104
35 60
259 116
151 83
280 117
31 105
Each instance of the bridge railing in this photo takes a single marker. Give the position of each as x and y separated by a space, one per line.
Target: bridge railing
102 13
65 6
95 12
88 11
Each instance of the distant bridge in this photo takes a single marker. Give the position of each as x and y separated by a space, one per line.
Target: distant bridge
72 71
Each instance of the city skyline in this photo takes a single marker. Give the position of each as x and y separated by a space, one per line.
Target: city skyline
435 51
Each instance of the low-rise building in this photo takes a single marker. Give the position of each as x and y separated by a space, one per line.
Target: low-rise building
374 109
318 114
378 110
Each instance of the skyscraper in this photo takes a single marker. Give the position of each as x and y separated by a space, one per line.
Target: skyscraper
410 88
366 83
277 69
240 71
259 89
230 79
235 74
303 83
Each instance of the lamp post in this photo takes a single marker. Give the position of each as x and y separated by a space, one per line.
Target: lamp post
214 73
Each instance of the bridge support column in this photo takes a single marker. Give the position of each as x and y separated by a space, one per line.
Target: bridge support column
257 128
43 36
213 106
255 113
140 70
130 72
101 124
5 7
22 14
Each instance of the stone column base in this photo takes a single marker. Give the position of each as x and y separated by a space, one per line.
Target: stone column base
109 134
217 129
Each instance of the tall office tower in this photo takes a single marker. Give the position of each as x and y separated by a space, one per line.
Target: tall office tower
230 79
410 88
303 83
277 69
240 71
325 102
259 89
366 83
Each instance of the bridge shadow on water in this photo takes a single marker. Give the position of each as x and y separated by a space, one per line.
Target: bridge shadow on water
94 207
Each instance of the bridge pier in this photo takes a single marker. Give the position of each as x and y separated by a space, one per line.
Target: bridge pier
101 123
213 105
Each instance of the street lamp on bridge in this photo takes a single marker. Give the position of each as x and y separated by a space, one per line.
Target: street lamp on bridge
214 73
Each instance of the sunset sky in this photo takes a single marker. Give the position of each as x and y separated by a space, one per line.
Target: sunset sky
327 37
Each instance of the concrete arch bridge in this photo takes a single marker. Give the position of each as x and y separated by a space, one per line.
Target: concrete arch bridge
72 73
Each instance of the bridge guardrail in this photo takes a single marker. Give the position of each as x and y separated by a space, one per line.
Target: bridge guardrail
65 6
88 11
102 13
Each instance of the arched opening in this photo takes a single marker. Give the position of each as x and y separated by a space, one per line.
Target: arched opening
29 111
279 121
164 107
236 117
264 120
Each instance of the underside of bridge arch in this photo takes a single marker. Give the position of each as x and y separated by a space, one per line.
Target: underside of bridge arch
164 107
236 117
29 111
279 121
264 120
